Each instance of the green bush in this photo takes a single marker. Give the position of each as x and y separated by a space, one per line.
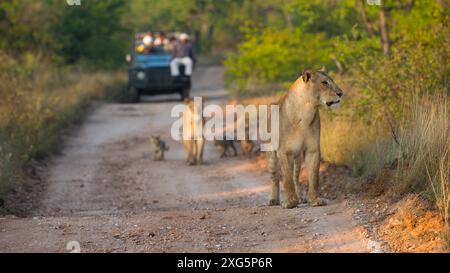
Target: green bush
386 88
275 56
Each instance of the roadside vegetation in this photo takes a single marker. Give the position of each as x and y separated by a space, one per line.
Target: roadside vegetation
38 101
50 72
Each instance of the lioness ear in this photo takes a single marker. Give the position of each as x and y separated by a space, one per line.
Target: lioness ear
306 75
323 69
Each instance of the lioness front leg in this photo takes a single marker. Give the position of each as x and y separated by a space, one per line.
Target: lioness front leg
158 155
199 146
189 152
296 170
312 161
290 200
272 168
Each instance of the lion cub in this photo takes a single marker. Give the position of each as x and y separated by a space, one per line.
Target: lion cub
158 146
224 146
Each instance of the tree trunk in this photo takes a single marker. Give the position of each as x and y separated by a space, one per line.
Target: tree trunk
385 43
368 24
209 38
288 19
198 41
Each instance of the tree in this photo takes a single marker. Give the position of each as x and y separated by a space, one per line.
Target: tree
93 32
27 26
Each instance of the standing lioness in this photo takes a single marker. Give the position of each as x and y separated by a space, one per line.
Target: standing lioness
299 133
192 118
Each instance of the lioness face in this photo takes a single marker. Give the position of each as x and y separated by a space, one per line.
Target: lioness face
194 108
329 92
189 102
326 90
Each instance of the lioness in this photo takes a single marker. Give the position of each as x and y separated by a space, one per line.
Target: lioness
299 134
193 148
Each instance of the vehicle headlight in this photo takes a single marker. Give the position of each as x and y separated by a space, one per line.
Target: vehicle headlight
140 75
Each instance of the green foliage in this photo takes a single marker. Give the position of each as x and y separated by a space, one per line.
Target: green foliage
322 16
312 36
161 15
92 32
277 49
99 33
213 24
277 56
28 26
389 85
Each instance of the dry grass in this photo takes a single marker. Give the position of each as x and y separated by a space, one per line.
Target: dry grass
420 158
362 147
425 158
424 141
37 102
440 186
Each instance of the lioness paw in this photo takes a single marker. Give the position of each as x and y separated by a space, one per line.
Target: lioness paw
289 204
190 163
318 202
274 202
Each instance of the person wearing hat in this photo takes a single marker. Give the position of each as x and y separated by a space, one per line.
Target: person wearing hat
182 53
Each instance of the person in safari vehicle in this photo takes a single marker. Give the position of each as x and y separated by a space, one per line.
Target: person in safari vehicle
182 53
160 65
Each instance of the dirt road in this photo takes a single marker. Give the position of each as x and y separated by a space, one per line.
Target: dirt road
105 192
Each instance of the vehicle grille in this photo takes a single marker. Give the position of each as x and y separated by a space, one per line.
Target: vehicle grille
159 76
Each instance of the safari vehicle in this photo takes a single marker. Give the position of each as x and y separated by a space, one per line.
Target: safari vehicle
149 71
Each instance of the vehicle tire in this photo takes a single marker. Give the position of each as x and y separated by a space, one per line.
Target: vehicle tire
184 93
133 94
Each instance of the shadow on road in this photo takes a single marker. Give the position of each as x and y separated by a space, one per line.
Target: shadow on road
160 98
